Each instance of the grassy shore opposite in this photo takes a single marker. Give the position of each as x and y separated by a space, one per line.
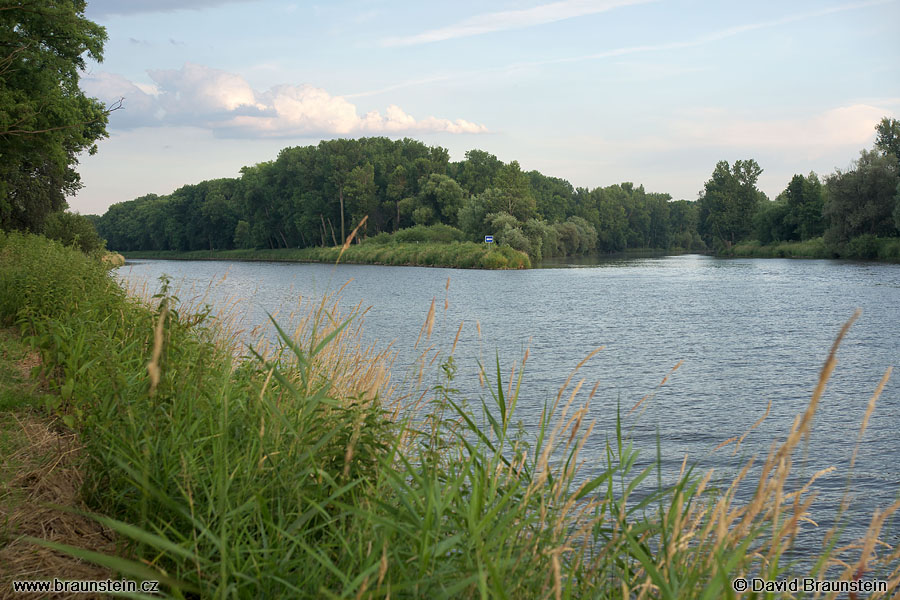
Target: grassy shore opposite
462 255
295 473
863 247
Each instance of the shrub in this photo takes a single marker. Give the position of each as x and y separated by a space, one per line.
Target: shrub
72 229
863 246
430 233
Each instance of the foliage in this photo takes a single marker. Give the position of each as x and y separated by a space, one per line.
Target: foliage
770 224
45 118
862 200
73 229
728 202
294 473
309 196
305 197
812 248
887 139
432 233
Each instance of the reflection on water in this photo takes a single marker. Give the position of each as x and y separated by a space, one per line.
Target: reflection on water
749 331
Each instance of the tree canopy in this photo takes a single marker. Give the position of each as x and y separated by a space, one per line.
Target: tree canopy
729 202
46 121
315 195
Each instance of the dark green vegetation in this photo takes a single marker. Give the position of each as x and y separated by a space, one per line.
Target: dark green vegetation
312 196
315 195
423 245
461 255
292 474
854 214
45 119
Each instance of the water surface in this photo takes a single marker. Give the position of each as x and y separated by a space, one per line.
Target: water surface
749 331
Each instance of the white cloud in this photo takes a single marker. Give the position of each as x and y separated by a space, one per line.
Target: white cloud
512 19
846 126
199 90
140 107
226 104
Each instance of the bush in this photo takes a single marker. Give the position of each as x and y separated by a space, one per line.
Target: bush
429 233
75 230
863 246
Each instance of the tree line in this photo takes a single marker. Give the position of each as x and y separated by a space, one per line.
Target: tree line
850 209
314 195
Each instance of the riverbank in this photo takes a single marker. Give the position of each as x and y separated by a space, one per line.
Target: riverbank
459 255
862 248
293 474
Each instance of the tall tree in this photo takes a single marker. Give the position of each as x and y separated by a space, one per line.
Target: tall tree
805 199
515 192
887 138
729 202
861 201
46 121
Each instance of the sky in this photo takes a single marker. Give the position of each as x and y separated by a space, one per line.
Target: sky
597 92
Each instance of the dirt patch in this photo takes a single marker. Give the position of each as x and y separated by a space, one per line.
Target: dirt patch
25 365
39 469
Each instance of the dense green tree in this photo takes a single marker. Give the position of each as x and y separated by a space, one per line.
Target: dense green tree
515 195
862 200
729 201
805 200
297 200
471 217
73 229
897 208
443 196
477 173
771 223
46 121
604 208
397 190
360 195
553 197
887 139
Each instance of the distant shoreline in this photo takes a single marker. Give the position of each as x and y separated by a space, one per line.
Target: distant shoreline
457 255
469 255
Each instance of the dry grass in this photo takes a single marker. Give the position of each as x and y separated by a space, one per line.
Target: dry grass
38 480
351 368
39 477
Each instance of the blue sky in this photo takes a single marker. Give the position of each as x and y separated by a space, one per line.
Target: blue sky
594 91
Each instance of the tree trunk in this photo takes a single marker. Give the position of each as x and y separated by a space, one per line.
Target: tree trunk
330 224
341 197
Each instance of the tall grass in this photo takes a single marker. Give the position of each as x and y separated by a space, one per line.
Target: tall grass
293 472
866 247
463 255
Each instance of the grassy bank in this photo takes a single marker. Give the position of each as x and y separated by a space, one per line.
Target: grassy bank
814 248
292 473
863 248
462 255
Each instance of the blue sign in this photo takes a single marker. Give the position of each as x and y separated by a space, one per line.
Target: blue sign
488 239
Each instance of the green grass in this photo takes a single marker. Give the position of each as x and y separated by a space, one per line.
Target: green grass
863 247
292 473
463 255
814 248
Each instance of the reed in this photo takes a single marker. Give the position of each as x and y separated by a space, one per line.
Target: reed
302 469
464 255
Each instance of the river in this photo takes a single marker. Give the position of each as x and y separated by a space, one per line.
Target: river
748 331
